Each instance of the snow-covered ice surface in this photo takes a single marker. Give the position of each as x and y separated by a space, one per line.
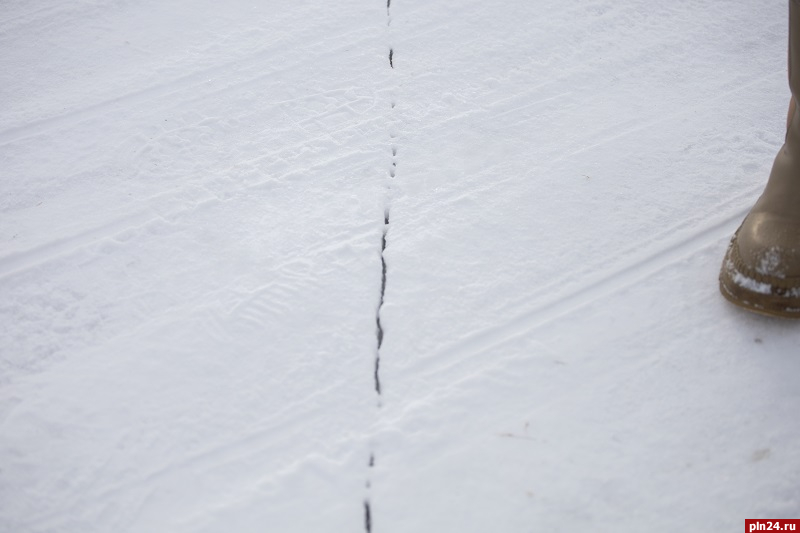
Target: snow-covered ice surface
194 236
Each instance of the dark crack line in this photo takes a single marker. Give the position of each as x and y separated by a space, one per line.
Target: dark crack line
378 325
380 305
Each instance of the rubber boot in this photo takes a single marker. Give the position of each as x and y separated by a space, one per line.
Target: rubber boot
761 270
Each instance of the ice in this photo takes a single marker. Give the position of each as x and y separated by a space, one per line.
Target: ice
198 203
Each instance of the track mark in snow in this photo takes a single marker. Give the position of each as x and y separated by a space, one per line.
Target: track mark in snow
462 352
203 83
689 230
391 55
168 209
24 260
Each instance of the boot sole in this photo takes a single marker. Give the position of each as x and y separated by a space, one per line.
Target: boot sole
757 295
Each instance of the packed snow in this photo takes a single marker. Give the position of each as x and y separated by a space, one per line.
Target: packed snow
394 266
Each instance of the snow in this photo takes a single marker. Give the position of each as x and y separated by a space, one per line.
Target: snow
194 197
770 264
750 283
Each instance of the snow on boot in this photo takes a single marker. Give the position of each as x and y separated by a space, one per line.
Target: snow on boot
761 270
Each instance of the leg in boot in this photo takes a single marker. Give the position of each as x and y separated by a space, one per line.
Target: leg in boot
761 270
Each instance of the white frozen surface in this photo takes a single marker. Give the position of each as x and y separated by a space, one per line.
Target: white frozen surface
193 198
749 283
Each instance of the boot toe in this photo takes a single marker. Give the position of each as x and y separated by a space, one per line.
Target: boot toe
767 247
761 270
